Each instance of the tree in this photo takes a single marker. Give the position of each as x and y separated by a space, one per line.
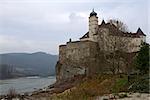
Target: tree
119 24
5 71
118 49
142 59
113 48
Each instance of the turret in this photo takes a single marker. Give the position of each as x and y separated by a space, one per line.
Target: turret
93 24
141 34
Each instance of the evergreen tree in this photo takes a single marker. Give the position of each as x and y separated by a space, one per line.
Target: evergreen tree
142 60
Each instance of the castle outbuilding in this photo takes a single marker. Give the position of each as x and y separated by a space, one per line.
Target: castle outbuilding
86 56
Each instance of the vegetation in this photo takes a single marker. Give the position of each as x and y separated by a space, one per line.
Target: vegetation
120 84
117 46
119 24
142 60
92 87
12 93
98 85
139 83
38 63
6 71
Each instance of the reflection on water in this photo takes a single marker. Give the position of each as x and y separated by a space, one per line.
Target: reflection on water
25 84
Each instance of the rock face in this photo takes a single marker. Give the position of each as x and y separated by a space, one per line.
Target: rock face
76 58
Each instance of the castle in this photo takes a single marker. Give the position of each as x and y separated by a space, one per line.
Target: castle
84 57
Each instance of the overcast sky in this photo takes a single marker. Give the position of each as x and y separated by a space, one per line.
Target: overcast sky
41 25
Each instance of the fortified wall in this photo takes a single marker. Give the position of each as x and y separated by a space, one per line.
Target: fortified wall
75 58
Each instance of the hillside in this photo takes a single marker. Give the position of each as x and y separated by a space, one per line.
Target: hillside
97 87
38 63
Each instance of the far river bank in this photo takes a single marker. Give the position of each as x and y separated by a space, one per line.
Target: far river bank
25 84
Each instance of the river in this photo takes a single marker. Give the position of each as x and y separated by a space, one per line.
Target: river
25 84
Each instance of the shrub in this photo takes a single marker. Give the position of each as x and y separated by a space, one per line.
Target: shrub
142 60
119 84
11 93
140 83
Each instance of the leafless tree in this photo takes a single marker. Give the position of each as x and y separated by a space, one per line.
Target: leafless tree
119 24
118 47
114 48
11 93
6 71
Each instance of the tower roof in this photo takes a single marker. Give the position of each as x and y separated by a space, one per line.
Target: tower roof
93 13
140 32
103 22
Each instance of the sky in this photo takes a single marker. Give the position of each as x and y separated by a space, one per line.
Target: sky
42 25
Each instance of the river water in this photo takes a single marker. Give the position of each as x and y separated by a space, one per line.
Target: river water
25 84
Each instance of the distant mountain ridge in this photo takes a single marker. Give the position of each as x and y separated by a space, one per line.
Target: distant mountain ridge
38 63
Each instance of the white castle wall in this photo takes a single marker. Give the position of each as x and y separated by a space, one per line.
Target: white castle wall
93 27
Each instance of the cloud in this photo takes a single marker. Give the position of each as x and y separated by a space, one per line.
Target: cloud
134 15
10 44
65 1
41 25
75 17
13 44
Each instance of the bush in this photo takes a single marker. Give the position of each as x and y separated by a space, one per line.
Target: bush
11 93
140 84
142 60
119 84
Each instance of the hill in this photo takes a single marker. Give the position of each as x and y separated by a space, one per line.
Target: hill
38 63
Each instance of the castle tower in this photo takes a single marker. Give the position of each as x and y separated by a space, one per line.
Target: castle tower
141 34
93 24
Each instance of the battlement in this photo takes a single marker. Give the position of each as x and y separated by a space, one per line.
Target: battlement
76 50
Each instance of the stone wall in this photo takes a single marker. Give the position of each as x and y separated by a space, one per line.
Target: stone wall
107 42
93 27
76 58
86 58
89 57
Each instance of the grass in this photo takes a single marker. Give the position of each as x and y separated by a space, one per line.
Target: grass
11 93
120 84
99 85
92 87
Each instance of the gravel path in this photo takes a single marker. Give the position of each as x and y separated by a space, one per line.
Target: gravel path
132 96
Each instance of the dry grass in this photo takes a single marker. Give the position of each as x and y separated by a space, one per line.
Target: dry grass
12 93
90 88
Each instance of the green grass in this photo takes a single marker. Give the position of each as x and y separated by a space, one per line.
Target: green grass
120 84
